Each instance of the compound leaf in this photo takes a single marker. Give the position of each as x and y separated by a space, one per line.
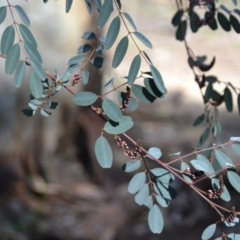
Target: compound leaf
103 152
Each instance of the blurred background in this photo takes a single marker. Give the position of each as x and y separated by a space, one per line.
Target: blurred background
51 186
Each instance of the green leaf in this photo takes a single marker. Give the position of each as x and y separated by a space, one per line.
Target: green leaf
204 137
210 170
162 175
113 32
155 152
89 36
85 77
199 120
7 39
117 128
223 160
131 166
228 99
235 23
185 166
181 31
142 196
84 98
136 182
142 94
209 231
143 39
68 5
155 219
120 51
19 74
152 87
199 165
84 48
234 179
148 58
28 112
112 110
73 68
157 79
76 59
161 201
103 152
37 68
22 15
35 85
27 35
122 97
98 62
105 13
12 58
223 21
216 186
236 149
176 20
233 236
3 13
131 22
32 52
149 202
134 69
45 112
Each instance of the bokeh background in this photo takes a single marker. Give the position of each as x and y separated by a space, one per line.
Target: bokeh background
51 187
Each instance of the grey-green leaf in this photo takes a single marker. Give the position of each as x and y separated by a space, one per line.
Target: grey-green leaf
143 39
152 88
134 69
22 15
142 94
210 170
105 12
3 13
131 165
128 17
35 85
103 152
120 51
236 149
89 36
155 152
216 186
7 39
209 231
84 98
155 219
19 74
199 165
157 79
84 48
142 196
37 68
117 128
223 160
228 99
112 110
32 52
161 201
234 179
68 5
12 59
76 59
85 77
185 166
27 35
137 182
122 96
113 32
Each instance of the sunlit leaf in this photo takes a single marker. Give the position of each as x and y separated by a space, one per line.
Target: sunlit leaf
7 39
209 231
112 110
210 170
131 22
223 160
143 39
161 201
72 68
19 74
131 165
142 94
152 87
157 79
32 52
234 179
134 69
199 165
136 182
84 98
155 152
103 152
27 35
155 219
236 149
142 196
22 15
149 202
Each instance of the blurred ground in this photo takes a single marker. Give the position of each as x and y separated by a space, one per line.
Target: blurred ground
45 191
